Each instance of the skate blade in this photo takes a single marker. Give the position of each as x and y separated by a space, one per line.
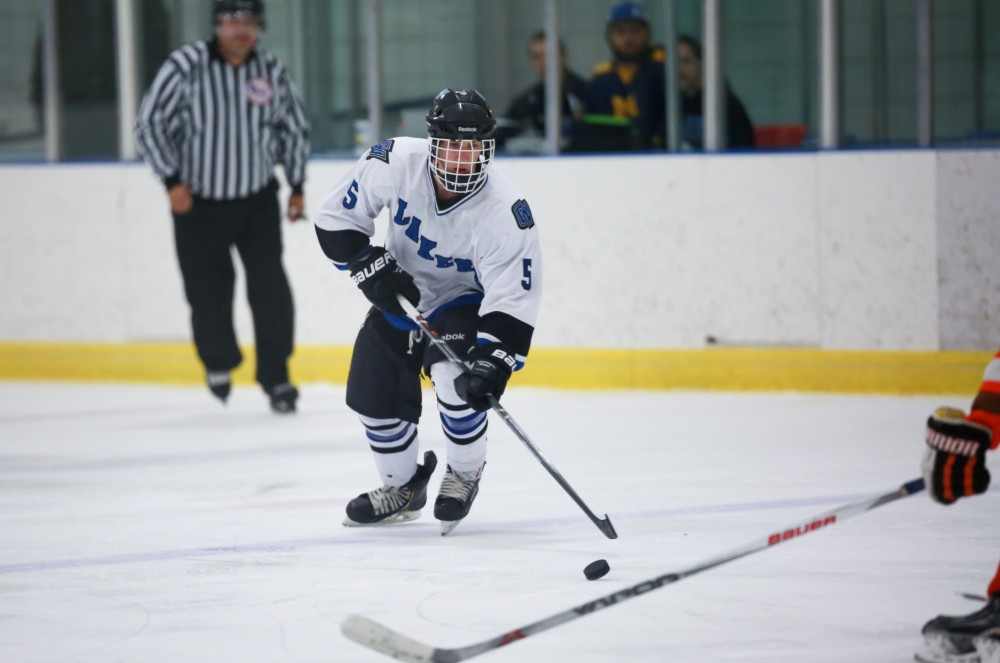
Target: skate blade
448 525
941 650
988 646
931 657
403 517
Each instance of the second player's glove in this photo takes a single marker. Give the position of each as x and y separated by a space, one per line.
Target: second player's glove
954 464
491 366
380 277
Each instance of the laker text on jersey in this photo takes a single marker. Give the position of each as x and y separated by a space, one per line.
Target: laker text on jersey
426 245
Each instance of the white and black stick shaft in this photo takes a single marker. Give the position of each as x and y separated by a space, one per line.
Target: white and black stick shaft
375 636
602 524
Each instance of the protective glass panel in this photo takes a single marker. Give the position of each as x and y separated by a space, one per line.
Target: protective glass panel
769 63
880 72
770 74
966 73
21 114
88 84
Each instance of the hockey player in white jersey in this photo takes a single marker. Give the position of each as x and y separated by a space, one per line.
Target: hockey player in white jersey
462 246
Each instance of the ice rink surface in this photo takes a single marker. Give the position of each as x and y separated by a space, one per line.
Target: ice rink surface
147 523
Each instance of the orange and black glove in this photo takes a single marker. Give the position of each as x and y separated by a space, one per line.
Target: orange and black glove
954 464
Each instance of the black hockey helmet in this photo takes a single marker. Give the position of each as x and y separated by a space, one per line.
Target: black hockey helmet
461 141
461 115
251 8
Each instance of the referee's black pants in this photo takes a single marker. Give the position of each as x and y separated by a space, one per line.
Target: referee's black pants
204 237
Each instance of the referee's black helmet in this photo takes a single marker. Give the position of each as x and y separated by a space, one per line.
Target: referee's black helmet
251 8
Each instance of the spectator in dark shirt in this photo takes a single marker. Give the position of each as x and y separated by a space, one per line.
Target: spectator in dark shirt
631 86
739 128
528 109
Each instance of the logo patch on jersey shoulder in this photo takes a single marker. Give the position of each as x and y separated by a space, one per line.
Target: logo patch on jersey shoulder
380 151
259 91
522 214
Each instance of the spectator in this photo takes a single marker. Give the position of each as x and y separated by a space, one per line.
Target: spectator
631 85
217 117
739 129
528 109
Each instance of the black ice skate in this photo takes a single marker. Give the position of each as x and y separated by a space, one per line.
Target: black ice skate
219 384
458 490
392 504
950 638
283 398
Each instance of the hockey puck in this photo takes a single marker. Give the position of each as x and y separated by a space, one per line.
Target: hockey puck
597 569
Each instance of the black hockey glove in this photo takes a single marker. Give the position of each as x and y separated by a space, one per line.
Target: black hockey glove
491 367
380 277
954 463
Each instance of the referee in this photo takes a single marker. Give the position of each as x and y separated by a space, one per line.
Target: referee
212 126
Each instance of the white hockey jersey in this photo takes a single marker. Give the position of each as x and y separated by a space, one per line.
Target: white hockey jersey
485 245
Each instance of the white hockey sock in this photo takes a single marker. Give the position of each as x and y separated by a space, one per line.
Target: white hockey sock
394 445
464 427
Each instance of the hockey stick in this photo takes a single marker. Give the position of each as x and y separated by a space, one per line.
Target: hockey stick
413 314
382 639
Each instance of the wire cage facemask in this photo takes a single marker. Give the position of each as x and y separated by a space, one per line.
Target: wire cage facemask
460 165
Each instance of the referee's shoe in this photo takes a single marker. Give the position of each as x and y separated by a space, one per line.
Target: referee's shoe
220 384
283 397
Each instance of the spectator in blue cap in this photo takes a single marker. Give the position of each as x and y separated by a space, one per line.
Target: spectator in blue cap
629 11
631 85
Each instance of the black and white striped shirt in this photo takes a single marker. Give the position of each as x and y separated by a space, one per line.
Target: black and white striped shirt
222 129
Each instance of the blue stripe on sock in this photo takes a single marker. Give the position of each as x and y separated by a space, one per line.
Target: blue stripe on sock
459 425
392 437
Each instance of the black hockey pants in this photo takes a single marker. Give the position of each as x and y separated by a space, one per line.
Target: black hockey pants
204 237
